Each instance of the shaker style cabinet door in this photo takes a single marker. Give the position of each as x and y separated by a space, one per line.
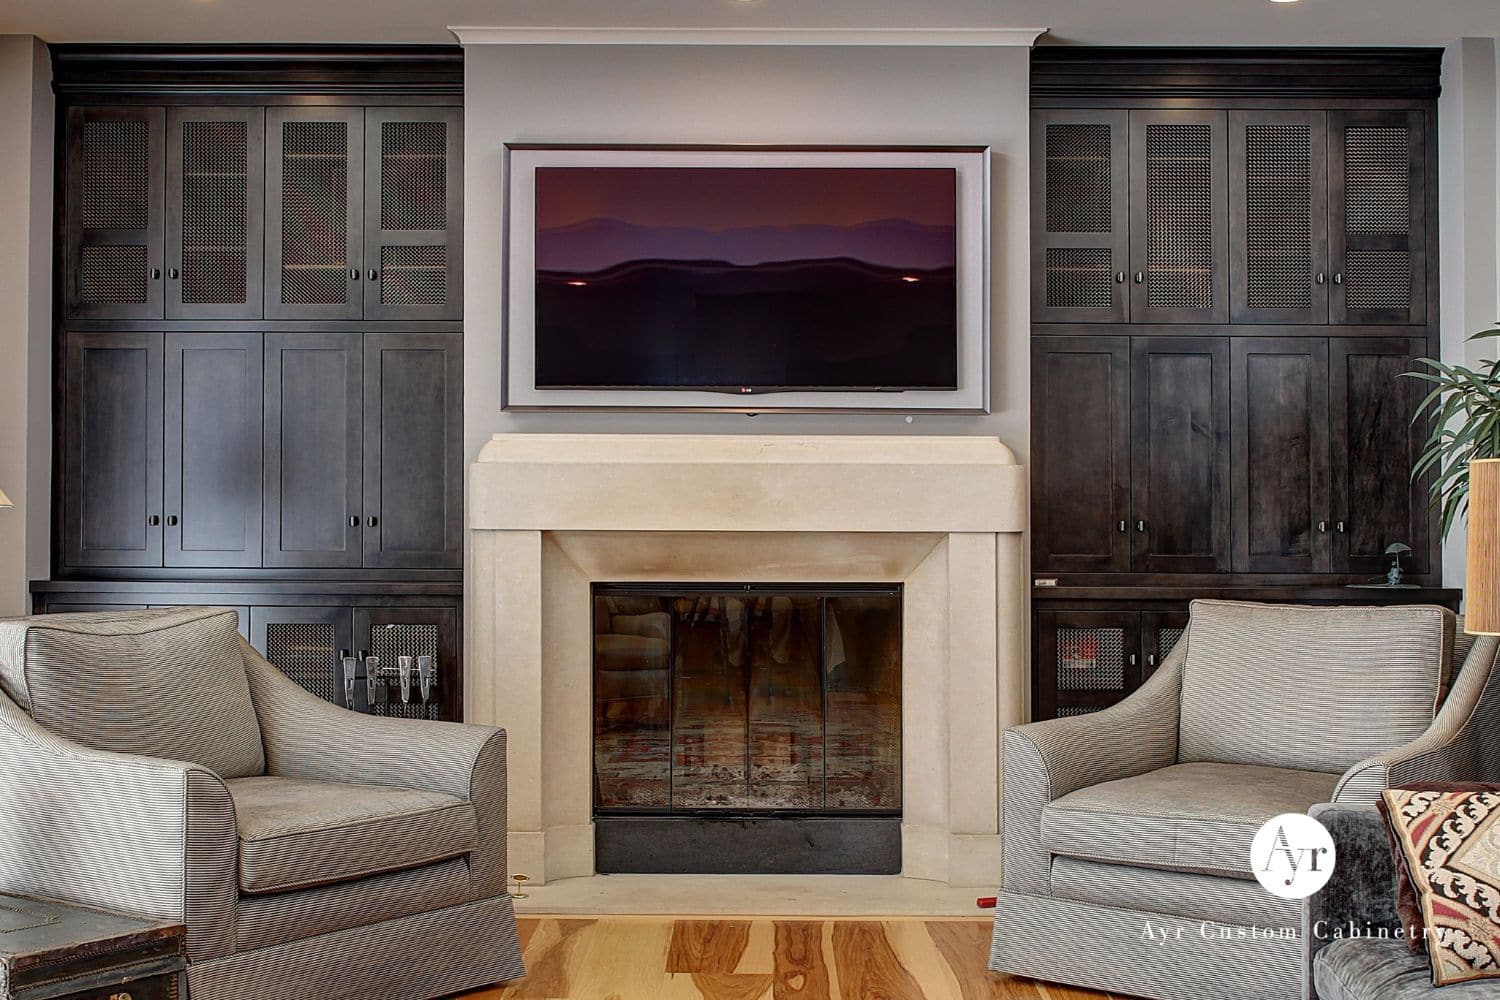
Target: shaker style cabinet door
1079 219
1378 216
313 410
1375 444
314 213
1279 398
1179 234
1179 463
413 213
113 212
213 449
216 161
112 450
1278 217
1080 429
413 444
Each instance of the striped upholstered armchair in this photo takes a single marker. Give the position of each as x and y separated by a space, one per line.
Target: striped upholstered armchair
1127 832
156 764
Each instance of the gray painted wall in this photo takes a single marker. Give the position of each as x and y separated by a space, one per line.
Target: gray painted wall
716 94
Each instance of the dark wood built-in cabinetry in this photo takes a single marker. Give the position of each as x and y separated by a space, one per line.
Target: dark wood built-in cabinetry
1232 261
259 347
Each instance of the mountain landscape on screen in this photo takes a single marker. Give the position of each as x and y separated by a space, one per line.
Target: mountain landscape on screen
739 279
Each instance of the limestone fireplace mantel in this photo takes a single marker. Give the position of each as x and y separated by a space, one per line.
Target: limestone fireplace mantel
549 514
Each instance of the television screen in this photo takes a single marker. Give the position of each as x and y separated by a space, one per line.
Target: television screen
746 279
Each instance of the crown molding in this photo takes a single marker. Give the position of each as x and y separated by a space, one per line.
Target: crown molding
904 37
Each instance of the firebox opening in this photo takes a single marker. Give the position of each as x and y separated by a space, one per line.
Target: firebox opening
747 728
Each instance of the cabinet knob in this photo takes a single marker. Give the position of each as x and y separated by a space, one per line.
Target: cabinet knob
373 274
1150 659
173 273
1321 278
353 274
1338 277
1338 526
353 520
1119 277
153 520
156 274
1140 526
171 520
1323 526
1140 277
1123 527
1131 659
371 521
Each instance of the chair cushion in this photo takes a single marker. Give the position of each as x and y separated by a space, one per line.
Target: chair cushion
1367 968
296 833
167 683
1309 688
1187 817
1192 895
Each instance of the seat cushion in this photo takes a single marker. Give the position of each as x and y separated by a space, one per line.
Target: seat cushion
296 833
1187 817
1309 688
167 683
1370 968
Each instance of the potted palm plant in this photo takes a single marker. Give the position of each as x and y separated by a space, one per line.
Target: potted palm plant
1463 408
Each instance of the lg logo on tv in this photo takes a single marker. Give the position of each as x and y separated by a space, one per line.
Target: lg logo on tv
1293 856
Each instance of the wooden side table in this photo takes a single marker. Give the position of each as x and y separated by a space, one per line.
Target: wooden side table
56 951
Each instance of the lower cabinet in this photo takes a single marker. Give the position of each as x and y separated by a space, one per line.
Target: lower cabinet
311 637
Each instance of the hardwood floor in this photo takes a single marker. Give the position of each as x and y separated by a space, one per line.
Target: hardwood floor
643 958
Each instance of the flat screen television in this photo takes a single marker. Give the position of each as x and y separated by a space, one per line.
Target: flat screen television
659 274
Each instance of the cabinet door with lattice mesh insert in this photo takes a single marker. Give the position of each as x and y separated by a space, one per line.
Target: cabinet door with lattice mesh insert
1086 660
114 212
390 634
1278 216
314 213
1079 221
1179 201
413 213
306 644
1377 208
216 166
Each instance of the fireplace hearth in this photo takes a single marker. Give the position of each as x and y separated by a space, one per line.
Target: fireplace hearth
754 728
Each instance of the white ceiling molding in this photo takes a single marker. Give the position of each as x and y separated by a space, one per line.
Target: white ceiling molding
970 37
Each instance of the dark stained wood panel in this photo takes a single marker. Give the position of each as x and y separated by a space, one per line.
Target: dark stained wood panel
1279 389
1180 454
1081 453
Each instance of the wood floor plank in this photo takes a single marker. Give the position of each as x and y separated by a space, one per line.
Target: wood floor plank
965 946
801 973
550 959
624 960
707 945
920 956
525 930
760 950
868 967
731 986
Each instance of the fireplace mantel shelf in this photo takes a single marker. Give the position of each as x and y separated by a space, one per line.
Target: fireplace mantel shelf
944 517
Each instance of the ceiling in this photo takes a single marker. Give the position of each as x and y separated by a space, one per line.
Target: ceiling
1126 22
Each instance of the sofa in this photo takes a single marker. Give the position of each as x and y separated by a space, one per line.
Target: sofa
1127 832
157 765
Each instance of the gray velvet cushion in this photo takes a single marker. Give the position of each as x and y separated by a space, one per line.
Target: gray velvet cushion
1309 688
296 833
1187 817
1385 969
167 683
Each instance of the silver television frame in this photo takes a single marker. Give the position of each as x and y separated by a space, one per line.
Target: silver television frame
972 171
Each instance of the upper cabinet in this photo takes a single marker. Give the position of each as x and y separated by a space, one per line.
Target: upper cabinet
114 212
295 212
1294 216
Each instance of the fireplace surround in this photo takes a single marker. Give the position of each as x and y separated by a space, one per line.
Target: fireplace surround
551 515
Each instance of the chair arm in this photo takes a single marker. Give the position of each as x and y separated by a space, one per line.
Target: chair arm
1462 744
118 832
1044 761
1361 894
307 737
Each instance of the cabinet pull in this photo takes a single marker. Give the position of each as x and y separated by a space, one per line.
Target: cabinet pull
153 520
1123 527
1338 277
1131 659
1119 277
1140 277
1140 526
1338 526
1320 278
171 520
1150 659
353 274
1323 527
353 520
373 275
156 274
371 521
173 273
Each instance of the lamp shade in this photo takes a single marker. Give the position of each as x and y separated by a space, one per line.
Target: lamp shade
1482 585
5 500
